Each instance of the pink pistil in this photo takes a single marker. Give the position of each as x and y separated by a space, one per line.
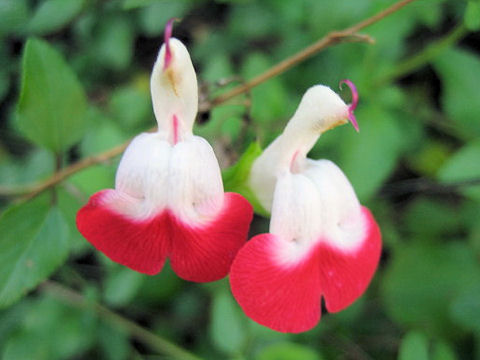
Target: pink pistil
292 162
175 129
354 103
167 36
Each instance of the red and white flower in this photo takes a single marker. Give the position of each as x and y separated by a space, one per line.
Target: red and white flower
322 241
168 199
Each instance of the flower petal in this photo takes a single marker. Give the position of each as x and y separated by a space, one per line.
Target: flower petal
205 252
345 275
195 188
283 296
143 171
320 110
174 90
142 245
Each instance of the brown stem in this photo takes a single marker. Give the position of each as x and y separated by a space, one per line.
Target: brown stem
331 38
328 40
334 37
33 190
423 185
58 168
155 341
423 57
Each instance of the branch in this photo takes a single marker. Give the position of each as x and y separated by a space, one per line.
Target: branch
334 37
425 56
424 185
33 190
155 341
330 39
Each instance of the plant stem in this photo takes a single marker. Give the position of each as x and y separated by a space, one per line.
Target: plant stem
426 186
58 168
349 34
423 57
33 190
330 39
155 341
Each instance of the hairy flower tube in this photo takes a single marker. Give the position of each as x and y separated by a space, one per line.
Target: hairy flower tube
322 242
168 200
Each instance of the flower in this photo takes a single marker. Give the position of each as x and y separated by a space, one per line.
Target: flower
322 242
168 199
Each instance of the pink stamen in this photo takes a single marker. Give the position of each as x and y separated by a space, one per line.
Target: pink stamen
167 36
292 162
175 129
354 103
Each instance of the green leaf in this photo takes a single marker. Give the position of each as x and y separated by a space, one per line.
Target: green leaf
52 104
430 219
4 72
287 351
252 20
429 157
103 133
459 71
114 342
122 285
235 178
270 100
414 346
94 179
38 164
324 16
162 287
216 68
69 206
131 106
443 351
154 16
52 15
33 243
464 165
465 309
472 15
133 4
227 328
13 15
113 44
369 157
10 318
22 346
52 330
423 280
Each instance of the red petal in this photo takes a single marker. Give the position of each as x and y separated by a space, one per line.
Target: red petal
285 298
204 254
344 276
140 245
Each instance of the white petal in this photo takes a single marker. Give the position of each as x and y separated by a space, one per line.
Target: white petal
143 170
174 90
317 205
195 191
344 224
297 209
297 214
320 110
184 178
265 170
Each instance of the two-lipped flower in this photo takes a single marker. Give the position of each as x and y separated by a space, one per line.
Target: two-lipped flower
169 202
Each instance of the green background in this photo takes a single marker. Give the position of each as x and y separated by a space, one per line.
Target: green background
74 81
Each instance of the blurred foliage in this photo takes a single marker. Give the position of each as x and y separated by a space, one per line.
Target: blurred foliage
74 81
